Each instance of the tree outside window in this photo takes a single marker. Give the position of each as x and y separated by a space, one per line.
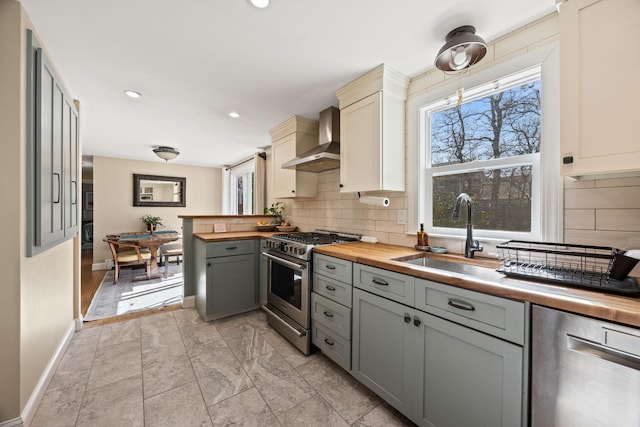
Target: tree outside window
486 145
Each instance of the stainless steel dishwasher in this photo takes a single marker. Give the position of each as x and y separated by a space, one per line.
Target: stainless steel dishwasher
585 372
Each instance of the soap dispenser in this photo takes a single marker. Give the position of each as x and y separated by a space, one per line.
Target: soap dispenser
423 242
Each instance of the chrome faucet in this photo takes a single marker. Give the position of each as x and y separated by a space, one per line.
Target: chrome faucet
471 246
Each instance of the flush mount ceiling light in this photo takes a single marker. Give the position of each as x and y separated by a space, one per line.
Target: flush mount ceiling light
132 94
166 153
461 50
260 4
234 114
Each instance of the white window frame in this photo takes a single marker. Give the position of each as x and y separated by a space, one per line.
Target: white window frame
547 211
230 199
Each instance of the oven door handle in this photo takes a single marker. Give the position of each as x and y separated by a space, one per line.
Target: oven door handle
300 334
284 262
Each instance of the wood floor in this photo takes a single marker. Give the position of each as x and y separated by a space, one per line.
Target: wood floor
90 281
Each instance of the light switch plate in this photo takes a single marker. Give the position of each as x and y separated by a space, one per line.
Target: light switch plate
402 216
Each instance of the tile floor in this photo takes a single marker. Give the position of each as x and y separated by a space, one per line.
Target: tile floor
173 369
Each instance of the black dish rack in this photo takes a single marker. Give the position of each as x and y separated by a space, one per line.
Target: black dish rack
594 267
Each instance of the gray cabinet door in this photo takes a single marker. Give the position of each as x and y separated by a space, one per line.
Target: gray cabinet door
231 285
49 164
264 273
466 378
70 161
382 349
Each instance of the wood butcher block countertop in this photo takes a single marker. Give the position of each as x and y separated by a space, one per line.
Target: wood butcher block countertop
234 235
611 307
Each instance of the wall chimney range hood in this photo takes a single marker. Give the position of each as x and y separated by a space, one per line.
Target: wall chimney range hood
326 155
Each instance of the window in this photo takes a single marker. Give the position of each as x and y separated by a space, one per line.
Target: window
486 142
241 187
498 141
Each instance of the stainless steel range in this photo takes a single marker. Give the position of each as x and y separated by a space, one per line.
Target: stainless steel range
289 258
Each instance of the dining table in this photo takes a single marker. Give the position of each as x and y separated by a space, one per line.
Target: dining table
152 241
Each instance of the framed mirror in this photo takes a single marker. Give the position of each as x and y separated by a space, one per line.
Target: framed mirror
159 191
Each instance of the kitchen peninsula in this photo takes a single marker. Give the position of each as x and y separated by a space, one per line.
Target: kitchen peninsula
201 227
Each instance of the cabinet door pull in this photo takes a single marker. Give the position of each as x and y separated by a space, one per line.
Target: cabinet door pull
208 264
57 175
74 192
328 314
407 318
380 282
462 305
330 288
327 341
232 248
330 267
416 321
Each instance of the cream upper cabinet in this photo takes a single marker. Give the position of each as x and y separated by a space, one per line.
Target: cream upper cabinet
599 87
372 132
288 140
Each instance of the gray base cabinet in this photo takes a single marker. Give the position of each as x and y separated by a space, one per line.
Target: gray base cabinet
383 351
228 278
436 371
331 308
469 378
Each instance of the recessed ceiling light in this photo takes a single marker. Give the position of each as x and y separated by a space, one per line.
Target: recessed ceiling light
260 4
234 115
132 94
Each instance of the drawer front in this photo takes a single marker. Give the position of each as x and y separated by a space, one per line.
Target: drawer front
332 345
335 290
332 315
335 268
232 247
497 316
388 284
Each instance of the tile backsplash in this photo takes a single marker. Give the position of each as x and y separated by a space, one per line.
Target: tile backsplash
603 212
598 212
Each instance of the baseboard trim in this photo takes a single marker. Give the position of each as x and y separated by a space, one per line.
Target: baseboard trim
78 323
16 422
99 266
189 302
41 387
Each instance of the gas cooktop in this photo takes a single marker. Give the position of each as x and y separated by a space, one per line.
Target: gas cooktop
319 237
299 245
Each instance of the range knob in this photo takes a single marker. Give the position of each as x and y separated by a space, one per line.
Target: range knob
301 251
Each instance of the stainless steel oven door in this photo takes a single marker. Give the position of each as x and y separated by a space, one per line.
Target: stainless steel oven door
288 287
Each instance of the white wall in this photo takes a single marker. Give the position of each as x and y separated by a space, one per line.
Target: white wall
10 209
36 308
113 197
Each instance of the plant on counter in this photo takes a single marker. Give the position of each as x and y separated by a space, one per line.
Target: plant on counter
152 222
276 209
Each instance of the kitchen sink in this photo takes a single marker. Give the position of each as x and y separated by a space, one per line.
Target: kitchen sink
451 267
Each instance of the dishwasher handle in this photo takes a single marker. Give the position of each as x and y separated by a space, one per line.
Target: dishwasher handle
590 348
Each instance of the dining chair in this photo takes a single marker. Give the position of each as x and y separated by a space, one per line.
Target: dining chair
169 250
128 254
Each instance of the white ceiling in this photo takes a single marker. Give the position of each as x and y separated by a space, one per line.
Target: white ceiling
194 61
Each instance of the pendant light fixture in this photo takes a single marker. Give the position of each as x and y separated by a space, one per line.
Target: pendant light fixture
462 49
166 153
260 4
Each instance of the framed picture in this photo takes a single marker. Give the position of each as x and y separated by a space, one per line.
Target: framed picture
88 200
